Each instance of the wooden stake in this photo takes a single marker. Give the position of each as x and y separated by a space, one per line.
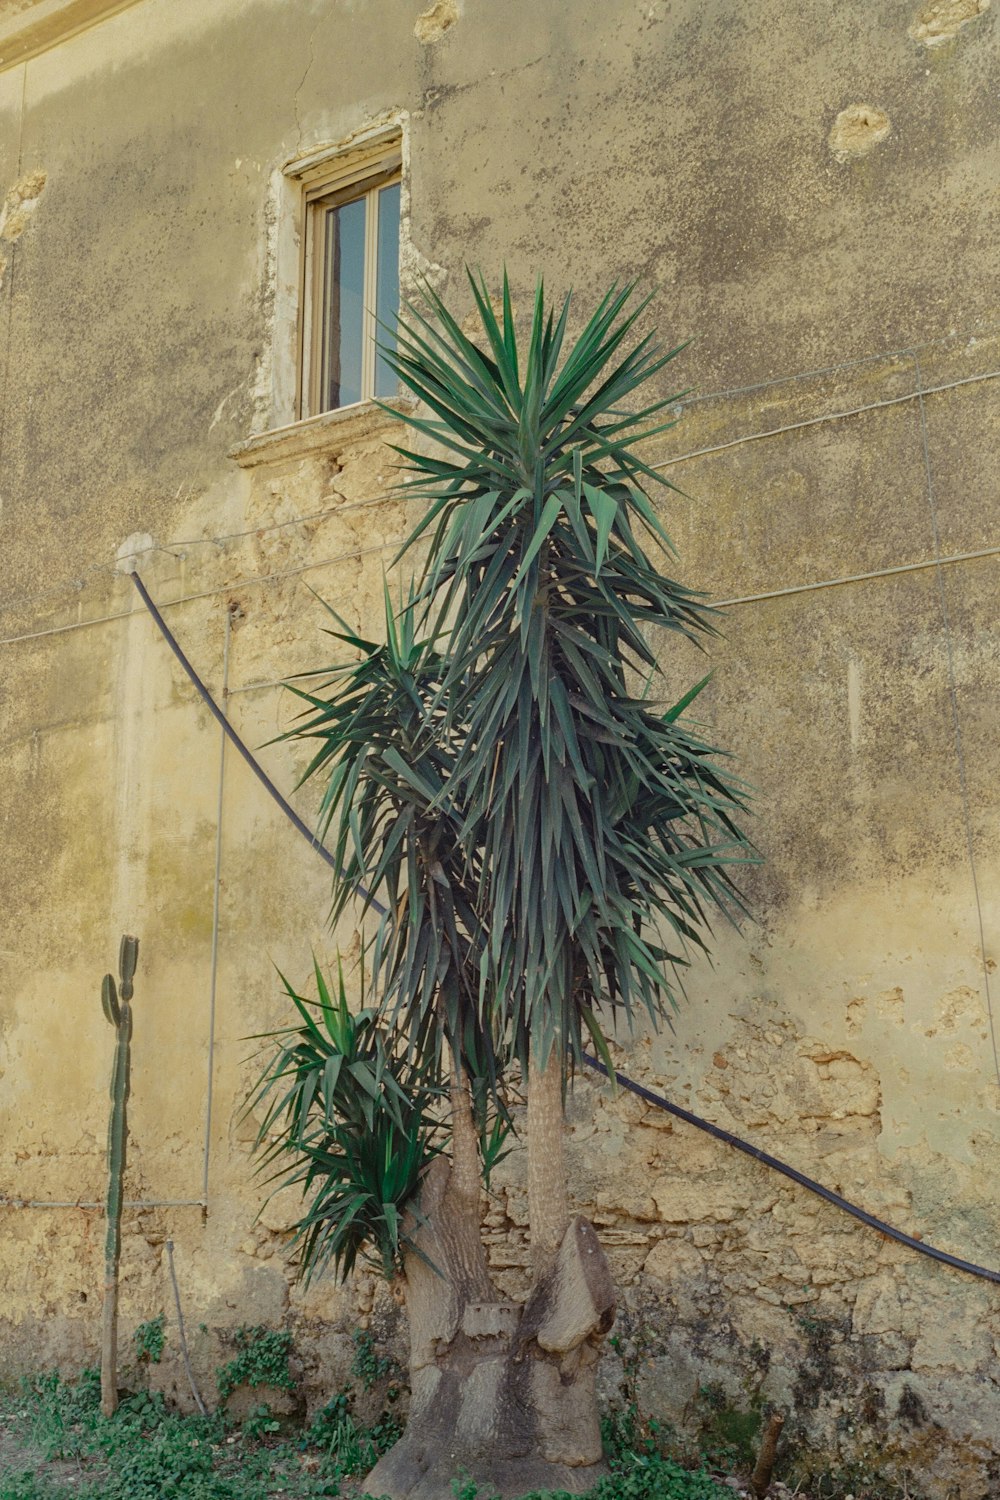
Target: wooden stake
760 1479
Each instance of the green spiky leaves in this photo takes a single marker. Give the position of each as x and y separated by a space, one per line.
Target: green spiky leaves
388 756
349 1121
547 845
601 833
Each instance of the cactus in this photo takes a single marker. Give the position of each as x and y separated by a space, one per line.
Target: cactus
117 1009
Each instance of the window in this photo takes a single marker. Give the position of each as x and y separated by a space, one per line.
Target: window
351 277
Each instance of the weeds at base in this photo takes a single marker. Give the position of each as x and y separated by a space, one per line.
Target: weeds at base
61 1446
147 1452
64 1446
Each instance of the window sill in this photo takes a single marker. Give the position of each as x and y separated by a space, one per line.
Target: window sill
330 432
38 25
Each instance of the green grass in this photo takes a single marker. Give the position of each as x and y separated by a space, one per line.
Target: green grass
649 1477
55 1443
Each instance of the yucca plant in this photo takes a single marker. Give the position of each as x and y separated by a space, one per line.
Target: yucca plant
350 1122
603 832
388 754
547 845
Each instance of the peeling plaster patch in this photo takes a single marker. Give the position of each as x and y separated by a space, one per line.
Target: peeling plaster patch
437 18
857 130
939 21
855 1015
19 205
957 1008
891 1005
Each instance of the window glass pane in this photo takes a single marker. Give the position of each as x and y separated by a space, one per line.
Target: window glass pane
343 304
387 285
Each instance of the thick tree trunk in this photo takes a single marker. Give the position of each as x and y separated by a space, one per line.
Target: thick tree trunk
501 1392
548 1205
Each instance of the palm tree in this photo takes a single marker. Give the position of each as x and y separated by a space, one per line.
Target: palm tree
547 844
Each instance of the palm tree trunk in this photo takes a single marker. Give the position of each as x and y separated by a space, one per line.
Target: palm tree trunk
467 1259
505 1392
548 1206
466 1179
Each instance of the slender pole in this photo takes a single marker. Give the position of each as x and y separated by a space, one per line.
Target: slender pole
216 892
180 1330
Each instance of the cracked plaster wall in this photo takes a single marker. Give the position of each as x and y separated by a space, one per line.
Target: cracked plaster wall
692 146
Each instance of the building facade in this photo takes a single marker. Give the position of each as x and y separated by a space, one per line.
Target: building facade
204 207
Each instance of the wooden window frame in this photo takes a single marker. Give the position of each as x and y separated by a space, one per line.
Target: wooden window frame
347 178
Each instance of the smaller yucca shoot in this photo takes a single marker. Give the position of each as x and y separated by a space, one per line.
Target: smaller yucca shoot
350 1121
117 1008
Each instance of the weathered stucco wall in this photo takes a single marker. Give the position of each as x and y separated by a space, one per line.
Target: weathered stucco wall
829 266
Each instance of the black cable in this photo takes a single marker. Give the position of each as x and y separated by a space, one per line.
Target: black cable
235 740
627 1083
795 1175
